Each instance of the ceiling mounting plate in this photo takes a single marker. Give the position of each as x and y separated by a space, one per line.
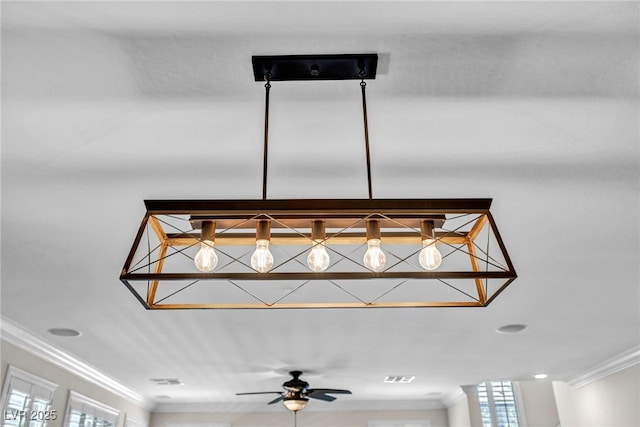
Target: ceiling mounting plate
315 67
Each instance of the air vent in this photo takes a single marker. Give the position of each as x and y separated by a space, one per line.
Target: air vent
399 379
167 381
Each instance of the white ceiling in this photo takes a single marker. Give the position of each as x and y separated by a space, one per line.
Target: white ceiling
534 104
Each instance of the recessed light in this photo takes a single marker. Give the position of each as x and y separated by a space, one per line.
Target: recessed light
511 329
166 381
540 376
63 332
398 379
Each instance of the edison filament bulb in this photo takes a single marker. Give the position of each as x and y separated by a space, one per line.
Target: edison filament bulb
430 257
262 260
374 258
318 259
206 259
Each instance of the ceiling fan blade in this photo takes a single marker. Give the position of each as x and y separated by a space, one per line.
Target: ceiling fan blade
259 392
328 391
276 400
321 396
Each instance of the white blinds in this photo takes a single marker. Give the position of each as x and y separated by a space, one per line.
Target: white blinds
26 400
83 411
497 404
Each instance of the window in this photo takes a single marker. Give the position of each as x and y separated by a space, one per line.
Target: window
83 411
498 404
26 400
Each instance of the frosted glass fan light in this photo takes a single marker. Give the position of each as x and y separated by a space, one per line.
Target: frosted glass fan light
206 259
295 405
262 260
374 259
318 259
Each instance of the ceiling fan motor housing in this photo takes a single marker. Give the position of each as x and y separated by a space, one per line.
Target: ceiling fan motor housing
297 387
296 384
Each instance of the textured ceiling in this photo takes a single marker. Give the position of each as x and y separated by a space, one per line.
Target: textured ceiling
536 105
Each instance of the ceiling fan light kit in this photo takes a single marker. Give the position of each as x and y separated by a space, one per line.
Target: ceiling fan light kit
317 253
295 405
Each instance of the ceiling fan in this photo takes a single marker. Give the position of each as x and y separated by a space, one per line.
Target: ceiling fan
297 393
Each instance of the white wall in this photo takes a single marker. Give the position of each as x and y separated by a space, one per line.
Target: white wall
539 403
472 406
458 413
438 418
12 355
613 401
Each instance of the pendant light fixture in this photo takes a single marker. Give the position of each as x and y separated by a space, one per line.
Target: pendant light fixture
317 253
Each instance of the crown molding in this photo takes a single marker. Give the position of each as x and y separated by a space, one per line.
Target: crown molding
610 366
21 338
454 397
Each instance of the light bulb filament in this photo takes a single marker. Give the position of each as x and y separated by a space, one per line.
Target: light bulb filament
262 260
206 259
318 259
374 258
430 257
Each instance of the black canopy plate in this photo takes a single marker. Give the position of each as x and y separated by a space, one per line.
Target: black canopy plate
315 67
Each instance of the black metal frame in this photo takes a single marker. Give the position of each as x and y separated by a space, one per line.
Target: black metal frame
321 207
284 211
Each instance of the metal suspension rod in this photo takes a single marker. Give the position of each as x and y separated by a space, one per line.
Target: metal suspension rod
363 86
267 86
